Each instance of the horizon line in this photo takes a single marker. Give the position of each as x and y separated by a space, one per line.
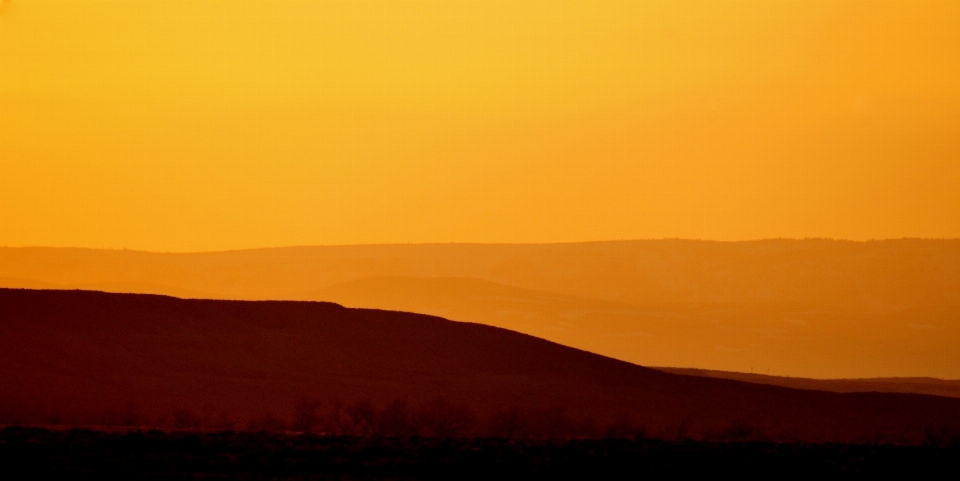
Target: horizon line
466 243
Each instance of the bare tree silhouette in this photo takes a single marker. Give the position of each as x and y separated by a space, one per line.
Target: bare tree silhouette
306 415
361 415
553 422
441 419
508 423
625 428
395 420
354 419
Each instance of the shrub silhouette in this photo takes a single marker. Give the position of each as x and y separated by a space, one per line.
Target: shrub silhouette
268 422
625 428
440 418
945 436
738 432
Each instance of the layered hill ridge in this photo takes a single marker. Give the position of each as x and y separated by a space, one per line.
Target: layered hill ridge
74 355
796 338
878 274
802 308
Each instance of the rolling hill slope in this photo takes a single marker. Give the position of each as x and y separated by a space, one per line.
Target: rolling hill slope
788 336
917 385
803 308
76 356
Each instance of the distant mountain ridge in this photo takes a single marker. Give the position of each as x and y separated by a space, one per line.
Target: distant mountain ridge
77 356
875 274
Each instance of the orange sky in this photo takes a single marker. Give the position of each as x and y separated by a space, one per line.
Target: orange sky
180 126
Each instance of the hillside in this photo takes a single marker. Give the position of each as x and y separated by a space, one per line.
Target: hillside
799 339
784 307
80 357
919 385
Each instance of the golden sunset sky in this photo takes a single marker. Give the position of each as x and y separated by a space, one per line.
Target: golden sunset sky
207 125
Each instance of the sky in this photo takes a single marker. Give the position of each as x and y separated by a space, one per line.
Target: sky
212 125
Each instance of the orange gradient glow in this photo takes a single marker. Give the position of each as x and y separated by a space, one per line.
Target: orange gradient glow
205 125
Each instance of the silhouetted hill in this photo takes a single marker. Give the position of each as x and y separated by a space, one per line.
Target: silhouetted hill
78 357
788 307
800 339
918 385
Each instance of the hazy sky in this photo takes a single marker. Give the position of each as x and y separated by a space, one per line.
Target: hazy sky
178 125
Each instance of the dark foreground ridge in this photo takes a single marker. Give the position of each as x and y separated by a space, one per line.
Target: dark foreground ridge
73 454
81 358
918 385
